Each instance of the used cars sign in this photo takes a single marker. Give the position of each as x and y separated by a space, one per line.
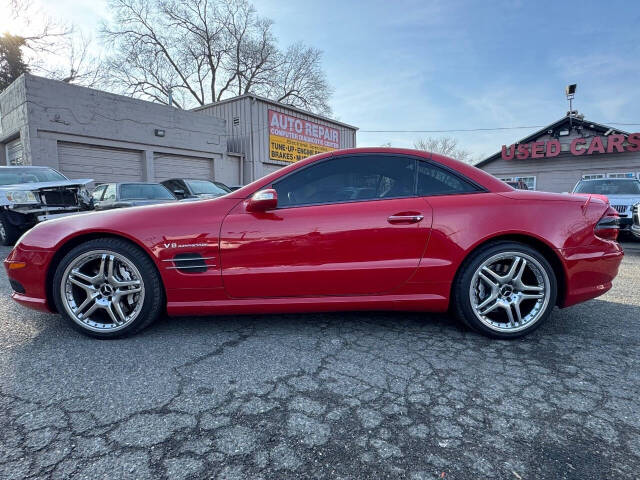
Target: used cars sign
579 146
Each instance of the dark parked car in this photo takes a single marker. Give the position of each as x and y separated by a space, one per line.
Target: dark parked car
120 195
194 188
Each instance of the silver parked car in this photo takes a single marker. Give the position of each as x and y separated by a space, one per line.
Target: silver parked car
130 194
29 195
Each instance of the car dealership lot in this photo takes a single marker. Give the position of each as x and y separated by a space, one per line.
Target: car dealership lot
344 395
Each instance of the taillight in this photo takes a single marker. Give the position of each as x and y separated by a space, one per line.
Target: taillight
608 226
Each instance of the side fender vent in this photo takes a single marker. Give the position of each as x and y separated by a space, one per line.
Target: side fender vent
189 263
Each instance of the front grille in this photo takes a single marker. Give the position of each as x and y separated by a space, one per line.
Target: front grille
620 208
59 198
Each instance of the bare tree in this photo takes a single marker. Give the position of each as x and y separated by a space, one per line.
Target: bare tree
205 50
54 48
447 146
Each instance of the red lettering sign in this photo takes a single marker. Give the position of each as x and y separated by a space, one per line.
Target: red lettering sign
579 146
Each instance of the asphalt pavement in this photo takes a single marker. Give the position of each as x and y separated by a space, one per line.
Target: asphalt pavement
327 396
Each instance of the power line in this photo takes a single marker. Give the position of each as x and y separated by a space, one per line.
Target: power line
479 129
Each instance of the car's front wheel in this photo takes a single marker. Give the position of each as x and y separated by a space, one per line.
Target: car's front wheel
505 290
108 288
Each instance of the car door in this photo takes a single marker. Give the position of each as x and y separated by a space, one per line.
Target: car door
348 225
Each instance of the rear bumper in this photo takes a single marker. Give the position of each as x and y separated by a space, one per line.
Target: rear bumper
590 271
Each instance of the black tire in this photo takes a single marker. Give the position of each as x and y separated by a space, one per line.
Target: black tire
461 298
9 233
154 298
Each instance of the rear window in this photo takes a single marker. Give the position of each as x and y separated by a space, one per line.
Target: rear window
11 176
144 191
609 187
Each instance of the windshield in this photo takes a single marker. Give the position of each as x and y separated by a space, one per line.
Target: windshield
199 187
145 191
16 175
609 187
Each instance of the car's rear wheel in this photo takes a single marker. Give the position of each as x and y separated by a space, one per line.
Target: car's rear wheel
108 288
505 290
9 233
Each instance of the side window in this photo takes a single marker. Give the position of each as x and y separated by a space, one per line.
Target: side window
97 193
433 180
110 193
349 179
173 185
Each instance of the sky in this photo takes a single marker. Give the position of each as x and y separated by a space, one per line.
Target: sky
457 65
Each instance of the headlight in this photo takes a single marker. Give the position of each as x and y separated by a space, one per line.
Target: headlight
21 197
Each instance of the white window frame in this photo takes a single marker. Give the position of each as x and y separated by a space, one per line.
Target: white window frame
621 175
517 178
593 176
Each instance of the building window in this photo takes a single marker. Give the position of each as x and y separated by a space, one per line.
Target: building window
593 176
530 182
621 175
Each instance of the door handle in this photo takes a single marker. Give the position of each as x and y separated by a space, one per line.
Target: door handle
405 218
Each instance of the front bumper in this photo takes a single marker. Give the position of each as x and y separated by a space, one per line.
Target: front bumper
32 277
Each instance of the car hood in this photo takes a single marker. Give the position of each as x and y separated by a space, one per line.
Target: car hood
149 226
624 199
39 185
139 203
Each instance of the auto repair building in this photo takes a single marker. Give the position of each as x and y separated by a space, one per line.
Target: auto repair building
557 156
88 133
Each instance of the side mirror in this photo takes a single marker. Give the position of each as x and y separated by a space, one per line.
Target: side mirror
263 200
179 193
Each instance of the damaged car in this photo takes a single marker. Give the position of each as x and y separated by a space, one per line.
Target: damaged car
29 195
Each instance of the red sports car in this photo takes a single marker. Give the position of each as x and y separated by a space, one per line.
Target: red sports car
359 229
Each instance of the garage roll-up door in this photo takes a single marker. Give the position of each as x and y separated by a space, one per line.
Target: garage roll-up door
167 166
103 164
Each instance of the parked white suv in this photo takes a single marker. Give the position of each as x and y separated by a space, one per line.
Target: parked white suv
623 194
29 195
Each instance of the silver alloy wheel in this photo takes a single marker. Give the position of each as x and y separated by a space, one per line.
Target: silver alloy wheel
102 291
510 291
3 232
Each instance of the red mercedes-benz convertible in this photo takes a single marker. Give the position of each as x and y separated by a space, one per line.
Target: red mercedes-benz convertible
360 229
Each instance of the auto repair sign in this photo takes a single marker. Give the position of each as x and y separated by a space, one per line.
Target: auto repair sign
292 139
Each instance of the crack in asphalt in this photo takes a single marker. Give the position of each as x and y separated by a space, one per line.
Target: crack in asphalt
341 395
